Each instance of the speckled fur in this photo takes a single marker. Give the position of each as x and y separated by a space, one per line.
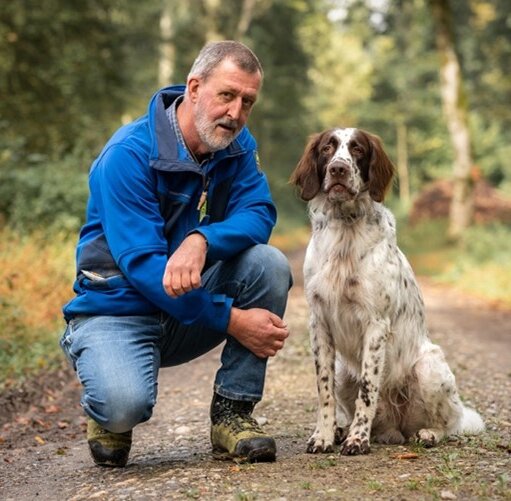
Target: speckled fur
379 377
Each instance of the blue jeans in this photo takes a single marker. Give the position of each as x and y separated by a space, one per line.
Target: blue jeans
117 358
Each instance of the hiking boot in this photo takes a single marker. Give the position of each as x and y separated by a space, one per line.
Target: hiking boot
108 448
236 434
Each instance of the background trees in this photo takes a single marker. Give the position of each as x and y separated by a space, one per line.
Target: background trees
71 73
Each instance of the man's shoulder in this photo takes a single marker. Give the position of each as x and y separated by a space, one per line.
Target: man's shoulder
134 137
246 140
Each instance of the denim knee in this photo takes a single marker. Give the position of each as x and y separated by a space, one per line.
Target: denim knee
265 275
120 410
273 265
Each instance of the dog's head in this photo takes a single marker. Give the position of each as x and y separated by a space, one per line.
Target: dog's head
342 164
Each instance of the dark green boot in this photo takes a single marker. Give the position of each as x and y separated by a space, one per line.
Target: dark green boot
108 448
236 434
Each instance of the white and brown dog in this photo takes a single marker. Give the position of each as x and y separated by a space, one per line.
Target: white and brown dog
367 325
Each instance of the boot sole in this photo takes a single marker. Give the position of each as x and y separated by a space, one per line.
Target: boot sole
262 455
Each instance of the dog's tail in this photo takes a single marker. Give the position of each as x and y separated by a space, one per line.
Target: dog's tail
471 422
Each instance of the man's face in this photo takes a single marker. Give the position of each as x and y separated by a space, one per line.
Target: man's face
223 103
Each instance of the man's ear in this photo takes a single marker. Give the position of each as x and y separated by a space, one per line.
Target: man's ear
193 88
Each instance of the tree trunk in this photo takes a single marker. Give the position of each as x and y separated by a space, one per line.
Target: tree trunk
247 12
456 113
211 9
166 63
402 164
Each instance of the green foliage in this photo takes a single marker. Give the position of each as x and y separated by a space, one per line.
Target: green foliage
487 243
47 194
482 266
479 264
19 360
67 70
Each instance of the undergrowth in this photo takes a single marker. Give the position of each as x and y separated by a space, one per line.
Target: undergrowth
478 264
35 281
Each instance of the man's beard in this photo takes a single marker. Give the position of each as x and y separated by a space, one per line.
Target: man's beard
206 130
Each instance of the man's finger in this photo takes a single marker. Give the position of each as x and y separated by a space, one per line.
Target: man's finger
186 285
195 279
277 321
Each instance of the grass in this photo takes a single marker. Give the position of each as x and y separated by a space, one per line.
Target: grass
35 281
478 264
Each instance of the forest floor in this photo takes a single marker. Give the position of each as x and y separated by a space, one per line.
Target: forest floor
44 455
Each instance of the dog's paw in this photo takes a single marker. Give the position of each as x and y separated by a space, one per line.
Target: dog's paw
319 443
355 446
426 437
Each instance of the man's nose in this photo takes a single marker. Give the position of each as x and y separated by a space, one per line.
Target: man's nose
234 110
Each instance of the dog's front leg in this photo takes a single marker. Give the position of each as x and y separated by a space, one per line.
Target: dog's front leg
373 361
322 440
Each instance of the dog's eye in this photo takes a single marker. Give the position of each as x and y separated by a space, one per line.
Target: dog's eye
327 148
357 149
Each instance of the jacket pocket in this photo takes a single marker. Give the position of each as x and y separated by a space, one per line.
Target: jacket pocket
101 283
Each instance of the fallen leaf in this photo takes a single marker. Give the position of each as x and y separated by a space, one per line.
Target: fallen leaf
39 440
62 425
43 424
52 409
406 455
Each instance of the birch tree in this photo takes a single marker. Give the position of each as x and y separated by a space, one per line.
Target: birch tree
456 114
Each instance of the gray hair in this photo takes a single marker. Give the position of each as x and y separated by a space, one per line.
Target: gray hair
213 53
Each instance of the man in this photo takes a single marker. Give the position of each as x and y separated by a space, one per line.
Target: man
173 260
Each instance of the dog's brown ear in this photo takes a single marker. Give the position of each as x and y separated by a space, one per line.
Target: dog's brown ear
306 174
381 169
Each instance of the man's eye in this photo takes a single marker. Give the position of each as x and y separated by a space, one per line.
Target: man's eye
247 104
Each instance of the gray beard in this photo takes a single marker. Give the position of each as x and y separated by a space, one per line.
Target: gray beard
205 130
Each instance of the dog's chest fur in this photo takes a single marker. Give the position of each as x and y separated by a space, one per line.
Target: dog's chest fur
354 272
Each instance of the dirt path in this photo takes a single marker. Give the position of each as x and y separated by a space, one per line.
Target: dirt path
44 454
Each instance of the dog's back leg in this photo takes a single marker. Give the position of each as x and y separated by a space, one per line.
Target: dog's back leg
438 411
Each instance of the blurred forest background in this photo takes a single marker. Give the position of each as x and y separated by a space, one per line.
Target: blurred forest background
431 77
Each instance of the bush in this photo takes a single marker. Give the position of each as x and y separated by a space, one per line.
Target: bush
36 277
46 194
479 264
482 265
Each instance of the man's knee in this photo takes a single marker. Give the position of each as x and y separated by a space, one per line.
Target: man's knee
121 410
272 264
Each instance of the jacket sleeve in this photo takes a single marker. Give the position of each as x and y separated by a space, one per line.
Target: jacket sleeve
123 187
250 215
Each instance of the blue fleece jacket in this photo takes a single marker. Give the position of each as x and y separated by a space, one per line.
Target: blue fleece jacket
144 198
